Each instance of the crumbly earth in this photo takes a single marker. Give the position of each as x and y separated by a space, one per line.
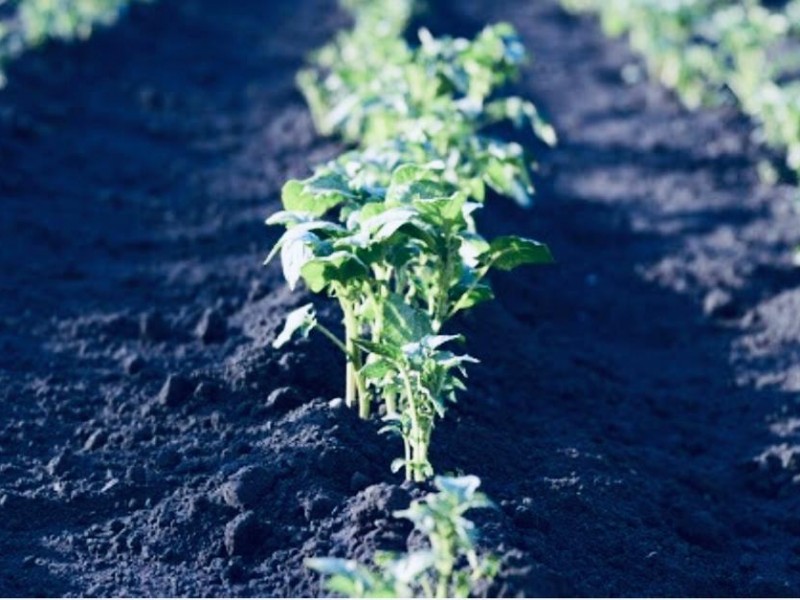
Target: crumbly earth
635 415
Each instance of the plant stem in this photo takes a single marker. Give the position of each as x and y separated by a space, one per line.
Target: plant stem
443 290
419 458
419 451
355 386
391 403
407 454
350 351
457 306
441 586
364 399
329 334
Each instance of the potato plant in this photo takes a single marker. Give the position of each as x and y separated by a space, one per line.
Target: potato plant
449 566
387 229
32 22
401 261
711 50
431 100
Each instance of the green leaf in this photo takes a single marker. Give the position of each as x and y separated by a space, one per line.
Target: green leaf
377 369
408 173
463 488
296 251
408 568
472 247
340 267
434 341
346 577
389 351
441 210
412 182
509 252
448 360
519 111
289 218
404 323
316 195
332 566
301 320
467 296
385 224
508 177
298 229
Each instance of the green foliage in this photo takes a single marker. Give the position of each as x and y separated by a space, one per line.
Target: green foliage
388 229
401 257
708 50
33 22
425 378
431 100
448 567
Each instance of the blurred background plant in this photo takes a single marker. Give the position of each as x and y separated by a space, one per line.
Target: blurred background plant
28 23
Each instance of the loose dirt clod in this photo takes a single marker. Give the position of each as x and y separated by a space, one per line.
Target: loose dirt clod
243 535
247 487
212 327
175 390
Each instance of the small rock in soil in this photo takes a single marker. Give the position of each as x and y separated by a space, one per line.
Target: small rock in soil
318 507
212 328
174 391
247 487
133 364
136 475
60 464
719 304
153 327
243 535
96 441
235 572
206 392
284 399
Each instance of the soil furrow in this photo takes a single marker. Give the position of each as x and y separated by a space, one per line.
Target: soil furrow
634 414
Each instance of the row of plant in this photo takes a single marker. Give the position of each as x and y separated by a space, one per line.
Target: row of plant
28 23
712 51
388 230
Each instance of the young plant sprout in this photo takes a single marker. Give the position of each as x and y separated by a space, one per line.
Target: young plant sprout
426 379
448 567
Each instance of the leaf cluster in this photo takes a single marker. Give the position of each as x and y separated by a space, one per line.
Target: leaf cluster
449 566
714 51
388 228
32 22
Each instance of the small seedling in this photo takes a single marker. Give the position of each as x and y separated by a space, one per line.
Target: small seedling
449 566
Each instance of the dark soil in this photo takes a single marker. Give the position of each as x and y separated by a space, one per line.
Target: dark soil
635 415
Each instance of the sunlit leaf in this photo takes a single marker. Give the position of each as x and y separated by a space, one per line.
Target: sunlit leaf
509 252
301 320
